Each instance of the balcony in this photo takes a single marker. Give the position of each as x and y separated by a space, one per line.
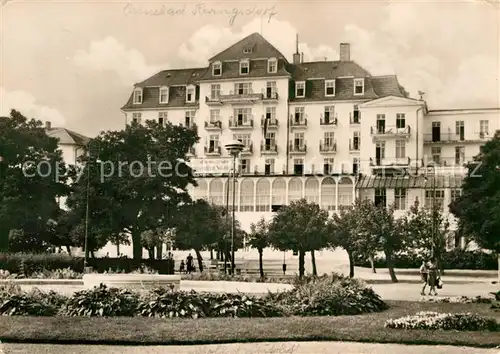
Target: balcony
213 100
354 119
240 123
247 150
328 120
298 121
269 97
240 97
329 148
212 151
390 131
271 124
213 126
354 146
297 149
453 138
268 149
390 161
191 152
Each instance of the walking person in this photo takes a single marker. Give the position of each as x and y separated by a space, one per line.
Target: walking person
432 278
424 273
189 263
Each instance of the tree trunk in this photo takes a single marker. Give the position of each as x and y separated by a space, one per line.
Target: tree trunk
351 264
118 249
151 253
200 260
390 266
159 251
372 264
211 254
302 256
68 249
136 245
92 254
313 261
261 265
498 266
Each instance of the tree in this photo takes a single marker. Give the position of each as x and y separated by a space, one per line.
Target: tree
136 176
32 178
478 209
258 238
151 239
299 226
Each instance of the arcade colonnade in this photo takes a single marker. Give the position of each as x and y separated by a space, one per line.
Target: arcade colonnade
259 194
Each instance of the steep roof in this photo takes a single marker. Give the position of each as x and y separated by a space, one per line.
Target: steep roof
259 46
327 70
173 77
67 137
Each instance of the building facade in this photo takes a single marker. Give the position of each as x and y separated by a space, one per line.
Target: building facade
326 131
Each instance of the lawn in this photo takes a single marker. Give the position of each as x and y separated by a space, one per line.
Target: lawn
149 331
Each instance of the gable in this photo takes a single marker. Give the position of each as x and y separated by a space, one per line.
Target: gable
392 101
259 46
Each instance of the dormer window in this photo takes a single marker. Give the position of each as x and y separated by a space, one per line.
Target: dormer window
190 94
247 50
164 94
359 86
272 65
217 69
244 67
300 89
330 88
138 96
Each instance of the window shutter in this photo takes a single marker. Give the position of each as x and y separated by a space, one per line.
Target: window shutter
291 89
197 92
308 85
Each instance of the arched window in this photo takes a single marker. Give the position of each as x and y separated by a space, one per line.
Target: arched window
201 191
294 190
246 195
216 192
345 192
163 94
138 95
312 190
263 195
328 193
278 193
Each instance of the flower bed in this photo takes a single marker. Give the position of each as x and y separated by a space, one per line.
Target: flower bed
444 321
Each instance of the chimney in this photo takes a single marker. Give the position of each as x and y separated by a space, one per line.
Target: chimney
296 55
302 57
345 52
47 125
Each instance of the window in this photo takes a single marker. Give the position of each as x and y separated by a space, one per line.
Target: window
355 165
400 121
329 114
162 117
455 194
214 115
244 67
298 166
269 167
299 115
189 118
215 91
355 114
439 198
245 166
243 88
217 69
244 138
300 89
138 96
263 196
272 66
271 113
459 155
247 50
213 143
330 88
270 141
359 86
400 149
164 94
460 129
242 116
136 117
271 89
483 128
329 139
380 197
400 198
190 94
380 149
436 154
380 123
356 140
298 141
328 166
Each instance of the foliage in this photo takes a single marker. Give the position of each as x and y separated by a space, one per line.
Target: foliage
65 273
299 226
102 301
141 180
461 300
14 302
329 295
444 321
28 198
259 239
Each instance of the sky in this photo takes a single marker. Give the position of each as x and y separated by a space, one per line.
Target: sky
74 63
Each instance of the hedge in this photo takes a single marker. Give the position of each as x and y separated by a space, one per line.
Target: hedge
27 264
455 259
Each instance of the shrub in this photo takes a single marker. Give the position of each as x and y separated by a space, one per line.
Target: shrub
103 302
65 273
462 300
15 302
329 295
444 321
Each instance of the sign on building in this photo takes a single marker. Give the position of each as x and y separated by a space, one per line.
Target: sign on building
202 167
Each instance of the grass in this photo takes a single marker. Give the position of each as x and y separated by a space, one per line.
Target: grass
153 331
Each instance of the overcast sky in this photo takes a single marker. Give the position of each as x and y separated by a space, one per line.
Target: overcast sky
74 63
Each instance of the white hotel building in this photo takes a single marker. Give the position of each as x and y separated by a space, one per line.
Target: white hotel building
335 132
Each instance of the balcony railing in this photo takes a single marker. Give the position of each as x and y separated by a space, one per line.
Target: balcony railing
213 100
327 120
354 146
247 96
390 161
271 123
445 138
191 126
240 123
330 147
298 121
216 151
269 96
247 150
215 125
268 148
354 118
298 148
388 131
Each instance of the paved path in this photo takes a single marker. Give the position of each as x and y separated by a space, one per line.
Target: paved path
247 348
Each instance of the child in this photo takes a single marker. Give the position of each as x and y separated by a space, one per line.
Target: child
424 272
